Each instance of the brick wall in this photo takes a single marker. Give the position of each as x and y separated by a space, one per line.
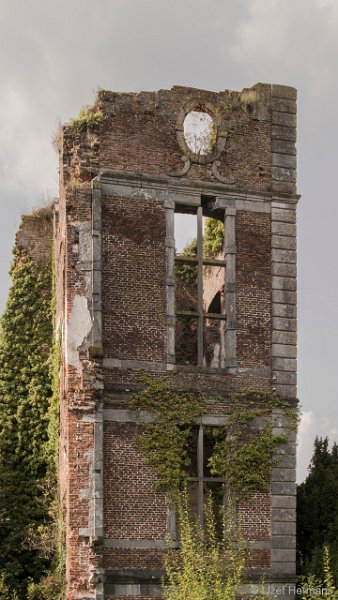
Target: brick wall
133 508
133 289
253 239
115 249
35 235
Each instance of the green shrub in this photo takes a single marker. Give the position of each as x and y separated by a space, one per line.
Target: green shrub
88 119
208 565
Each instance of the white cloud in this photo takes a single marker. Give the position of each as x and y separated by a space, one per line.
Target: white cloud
311 426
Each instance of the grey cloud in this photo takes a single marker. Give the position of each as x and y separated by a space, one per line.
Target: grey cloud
53 56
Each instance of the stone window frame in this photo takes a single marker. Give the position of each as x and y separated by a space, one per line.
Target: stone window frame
200 261
190 199
196 104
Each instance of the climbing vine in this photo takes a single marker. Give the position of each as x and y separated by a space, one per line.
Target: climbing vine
245 446
25 390
165 441
29 375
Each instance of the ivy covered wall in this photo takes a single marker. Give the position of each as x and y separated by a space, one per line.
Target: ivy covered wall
27 460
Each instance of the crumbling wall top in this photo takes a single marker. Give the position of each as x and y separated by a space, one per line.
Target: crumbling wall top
251 144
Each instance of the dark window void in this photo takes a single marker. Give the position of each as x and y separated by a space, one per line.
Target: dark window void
199 287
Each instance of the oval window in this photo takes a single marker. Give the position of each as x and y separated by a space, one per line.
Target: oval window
199 132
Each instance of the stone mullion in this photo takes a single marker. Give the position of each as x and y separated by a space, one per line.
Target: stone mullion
200 341
230 287
170 267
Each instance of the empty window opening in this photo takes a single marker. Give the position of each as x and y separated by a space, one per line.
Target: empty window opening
199 132
199 289
201 481
215 305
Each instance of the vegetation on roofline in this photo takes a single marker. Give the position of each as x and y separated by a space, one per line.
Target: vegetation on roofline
89 118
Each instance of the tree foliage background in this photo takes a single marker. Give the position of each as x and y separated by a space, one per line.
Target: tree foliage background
317 512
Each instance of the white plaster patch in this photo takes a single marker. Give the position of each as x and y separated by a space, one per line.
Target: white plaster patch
79 326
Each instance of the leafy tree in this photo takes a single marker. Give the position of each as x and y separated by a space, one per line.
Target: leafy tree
213 239
317 512
213 236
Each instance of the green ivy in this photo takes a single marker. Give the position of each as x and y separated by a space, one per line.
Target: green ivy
29 409
165 441
52 446
245 446
25 391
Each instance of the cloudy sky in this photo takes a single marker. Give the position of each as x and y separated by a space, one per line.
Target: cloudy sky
54 55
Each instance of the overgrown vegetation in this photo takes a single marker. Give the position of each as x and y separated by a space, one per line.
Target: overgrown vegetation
88 119
213 237
165 442
317 513
213 240
209 564
27 460
320 585
246 446
244 449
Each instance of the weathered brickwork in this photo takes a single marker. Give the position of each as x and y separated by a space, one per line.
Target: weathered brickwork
133 254
253 302
133 509
120 185
35 234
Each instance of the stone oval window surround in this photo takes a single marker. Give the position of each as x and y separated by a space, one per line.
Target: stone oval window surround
200 131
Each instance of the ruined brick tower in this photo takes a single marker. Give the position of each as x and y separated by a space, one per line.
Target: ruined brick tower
124 184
